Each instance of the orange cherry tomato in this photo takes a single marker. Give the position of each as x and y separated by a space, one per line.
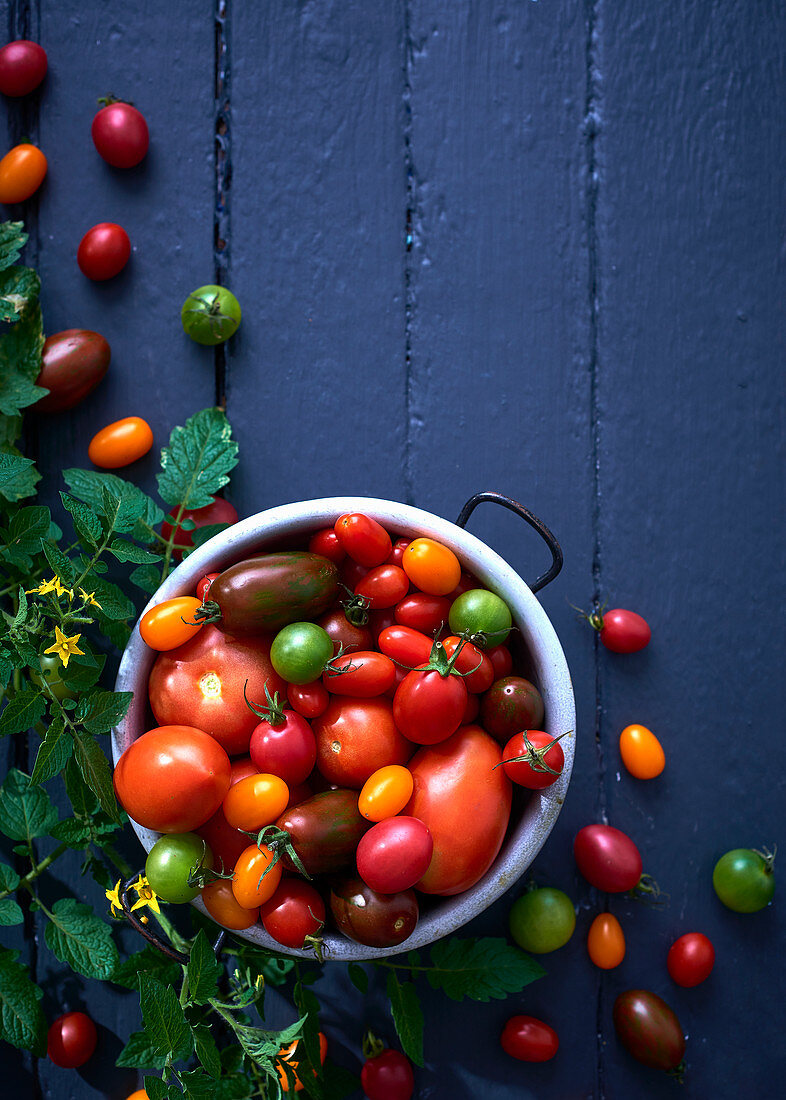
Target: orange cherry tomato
139 1094
606 941
171 623
120 443
255 801
223 907
641 752
386 792
248 886
22 172
431 567
286 1055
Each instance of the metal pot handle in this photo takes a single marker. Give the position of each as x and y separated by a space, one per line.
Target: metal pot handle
532 520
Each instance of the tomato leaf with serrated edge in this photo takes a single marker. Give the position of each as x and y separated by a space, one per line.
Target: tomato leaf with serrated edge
26 811
101 710
407 1016
203 970
22 1021
140 1051
206 1049
124 550
81 939
147 961
480 969
18 475
22 712
122 504
164 1019
19 286
96 772
12 240
86 523
197 462
53 752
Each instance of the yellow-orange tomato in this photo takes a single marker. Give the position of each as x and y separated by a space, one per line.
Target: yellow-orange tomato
255 801
222 906
120 443
431 567
386 792
22 172
248 886
140 1094
606 941
171 623
286 1055
641 752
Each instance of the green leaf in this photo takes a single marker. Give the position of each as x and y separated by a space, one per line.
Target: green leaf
10 913
83 801
101 710
141 1052
163 1018
124 550
28 526
26 811
9 879
234 1087
480 969
20 362
197 462
334 1083
21 611
358 977
22 712
86 523
407 1016
203 970
81 939
22 1021
61 565
202 534
19 287
146 577
53 753
12 240
18 475
196 1085
115 605
83 671
206 1049
96 772
75 832
147 961
122 504
155 1088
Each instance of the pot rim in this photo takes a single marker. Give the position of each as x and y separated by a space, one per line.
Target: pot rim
523 843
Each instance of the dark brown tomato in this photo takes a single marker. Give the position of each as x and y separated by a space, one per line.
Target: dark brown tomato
649 1029
510 705
272 590
73 362
202 683
325 831
376 920
355 737
344 633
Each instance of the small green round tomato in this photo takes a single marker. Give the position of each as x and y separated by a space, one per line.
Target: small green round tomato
744 880
479 611
210 314
542 920
300 652
170 862
50 673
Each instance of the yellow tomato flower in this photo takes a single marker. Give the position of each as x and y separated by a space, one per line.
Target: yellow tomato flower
147 896
90 598
65 647
113 897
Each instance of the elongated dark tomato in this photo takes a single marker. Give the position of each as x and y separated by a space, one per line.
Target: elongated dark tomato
269 591
649 1029
325 830
73 362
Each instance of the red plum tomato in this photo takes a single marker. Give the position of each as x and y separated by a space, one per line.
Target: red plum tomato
73 362
23 66
383 586
397 553
325 542
365 541
423 612
621 631
394 854
103 251
363 674
405 645
511 704
71 1040
388 1076
120 134
649 1029
355 737
529 1039
691 959
607 858
309 700
294 912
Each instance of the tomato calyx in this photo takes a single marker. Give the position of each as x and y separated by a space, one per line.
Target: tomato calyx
678 1072
273 712
279 842
108 100
438 660
647 890
200 875
535 757
316 943
330 667
481 639
356 607
372 1047
210 311
768 857
208 612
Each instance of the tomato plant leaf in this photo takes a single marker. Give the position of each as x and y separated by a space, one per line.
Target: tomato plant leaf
96 772
18 475
407 1016
115 605
10 913
86 523
124 550
19 287
81 939
23 711
156 1088
197 462
146 577
147 961
83 671
101 710
480 969
202 534
22 1021
12 240
60 563
140 1051
164 1020
123 505
26 811
53 752
28 526
206 1049
196 1084
358 977
203 970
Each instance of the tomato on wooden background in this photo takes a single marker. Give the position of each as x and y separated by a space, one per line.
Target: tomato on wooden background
649 1029
606 941
73 362
691 959
529 1039
22 172
23 66
71 1040
103 251
120 134
120 443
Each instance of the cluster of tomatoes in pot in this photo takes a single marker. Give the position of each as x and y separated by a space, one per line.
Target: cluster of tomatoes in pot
325 717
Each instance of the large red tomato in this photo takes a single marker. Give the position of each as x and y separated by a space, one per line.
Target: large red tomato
202 682
172 779
355 737
465 803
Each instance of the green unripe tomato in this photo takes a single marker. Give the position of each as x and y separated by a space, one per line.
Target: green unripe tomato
170 862
300 652
542 920
479 611
50 673
210 314
744 879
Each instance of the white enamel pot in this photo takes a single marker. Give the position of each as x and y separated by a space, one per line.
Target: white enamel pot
538 645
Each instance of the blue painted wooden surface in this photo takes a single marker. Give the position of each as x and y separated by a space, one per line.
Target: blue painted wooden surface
535 247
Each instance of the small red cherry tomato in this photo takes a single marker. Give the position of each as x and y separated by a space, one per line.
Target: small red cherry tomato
103 251
366 541
255 801
501 659
203 587
71 1040
120 443
170 624
606 941
475 667
387 1076
325 543
309 700
23 66
294 912
383 586
286 748
386 792
248 884
607 858
404 644
22 172
422 611
344 633
120 135
621 631
428 707
362 675
529 1039
394 854
533 759
431 566
691 959
222 906
397 553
